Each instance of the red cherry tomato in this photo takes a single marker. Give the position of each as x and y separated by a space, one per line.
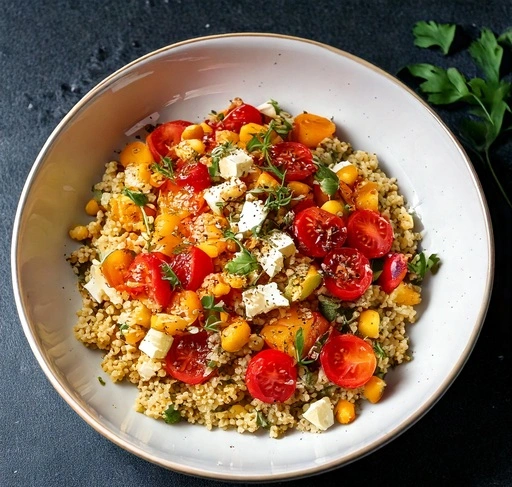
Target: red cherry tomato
271 376
347 273
164 137
394 270
191 267
369 232
294 158
318 231
187 358
347 360
145 276
241 115
194 176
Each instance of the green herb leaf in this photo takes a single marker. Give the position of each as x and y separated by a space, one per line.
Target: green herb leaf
172 415
165 168
208 303
101 381
261 420
140 199
506 38
421 264
378 350
329 181
169 275
244 263
124 327
329 307
278 197
487 54
263 143
428 34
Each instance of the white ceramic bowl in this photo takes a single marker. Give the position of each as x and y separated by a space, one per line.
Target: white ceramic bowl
374 112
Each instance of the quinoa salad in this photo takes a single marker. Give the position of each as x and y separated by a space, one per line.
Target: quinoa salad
250 272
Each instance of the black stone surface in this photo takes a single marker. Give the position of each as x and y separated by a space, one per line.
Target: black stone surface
52 52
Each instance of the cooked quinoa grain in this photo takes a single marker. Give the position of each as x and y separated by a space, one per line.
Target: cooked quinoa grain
164 266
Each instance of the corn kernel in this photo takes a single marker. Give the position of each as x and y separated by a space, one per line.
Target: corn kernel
192 132
333 206
92 207
235 335
221 289
368 323
374 389
80 232
237 410
344 411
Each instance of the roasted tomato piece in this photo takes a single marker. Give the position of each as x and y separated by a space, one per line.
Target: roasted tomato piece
164 137
369 232
318 231
241 115
347 360
194 176
394 269
145 276
294 159
187 358
191 266
271 376
347 273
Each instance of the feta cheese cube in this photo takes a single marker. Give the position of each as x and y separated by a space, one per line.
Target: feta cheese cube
320 414
146 370
271 260
283 242
339 165
156 344
218 195
267 109
98 287
253 215
235 165
262 299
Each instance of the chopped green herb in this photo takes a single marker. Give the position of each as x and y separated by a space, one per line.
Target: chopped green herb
421 264
169 275
263 143
101 381
172 415
212 364
379 351
140 199
428 34
261 420
165 168
213 311
329 181
244 263
124 327
278 197
299 348
329 307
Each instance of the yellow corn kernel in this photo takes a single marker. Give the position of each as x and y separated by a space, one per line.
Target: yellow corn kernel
344 411
141 316
237 410
221 289
366 196
80 232
134 335
299 189
256 342
235 335
169 324
222 136
206 128
368 323
92 207
135 153
192 132
406 295
333 206
348 174
374 389
249 130
265 180
197 145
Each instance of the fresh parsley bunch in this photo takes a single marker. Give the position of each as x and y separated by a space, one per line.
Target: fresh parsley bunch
487 100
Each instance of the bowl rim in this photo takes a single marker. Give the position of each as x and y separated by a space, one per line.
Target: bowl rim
311 470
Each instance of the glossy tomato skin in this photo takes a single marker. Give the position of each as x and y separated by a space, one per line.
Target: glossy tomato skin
188 357
241 115
293 158
369 232
193 176
164 137
394 269
318 232
271 376
347 360
145 276
191 267
347 273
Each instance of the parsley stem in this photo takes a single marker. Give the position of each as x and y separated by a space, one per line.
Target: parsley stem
489 165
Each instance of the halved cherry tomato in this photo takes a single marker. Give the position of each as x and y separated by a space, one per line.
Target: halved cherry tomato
394 270
294 158
164 137
318 231
187 358
191 267
347 360
145 276
347 273
369 232
241 115
271 376
179 201
194 176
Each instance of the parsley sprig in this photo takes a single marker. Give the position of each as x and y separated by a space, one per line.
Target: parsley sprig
244 263
141 200
329 181
213 311
171 415
421 264
277 197
263 142
486 99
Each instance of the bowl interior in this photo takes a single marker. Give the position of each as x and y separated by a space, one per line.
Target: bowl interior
372 111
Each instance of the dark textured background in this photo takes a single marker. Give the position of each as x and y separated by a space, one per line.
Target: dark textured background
52 52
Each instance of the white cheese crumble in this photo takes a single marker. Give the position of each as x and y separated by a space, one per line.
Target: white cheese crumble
320 414
235 165
262 299
253 215
271 260
218 195
98 287
339 165
156 344
283 242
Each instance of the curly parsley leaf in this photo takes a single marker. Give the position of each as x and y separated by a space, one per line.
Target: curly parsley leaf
430 34
171 415
244 263
421 264
329 181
